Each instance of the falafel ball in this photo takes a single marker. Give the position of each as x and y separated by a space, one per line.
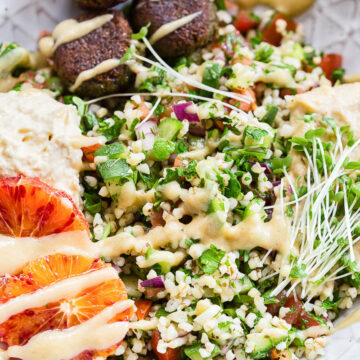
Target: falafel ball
106 42
97 4
185 39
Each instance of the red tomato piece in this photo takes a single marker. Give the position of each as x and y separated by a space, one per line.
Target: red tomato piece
296 309
178 162
170 354
157 219
270 33
142 308
245 21
329 63
89 151
243 105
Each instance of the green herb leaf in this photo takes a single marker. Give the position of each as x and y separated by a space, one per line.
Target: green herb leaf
115 170
270 116
254 132
112 151
92 203
211 77
298 271
220 4
278 164
80 104
210 259
142 33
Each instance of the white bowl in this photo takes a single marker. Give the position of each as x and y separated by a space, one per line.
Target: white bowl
330 25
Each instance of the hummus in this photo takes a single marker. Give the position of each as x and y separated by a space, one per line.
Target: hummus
35 139
340 102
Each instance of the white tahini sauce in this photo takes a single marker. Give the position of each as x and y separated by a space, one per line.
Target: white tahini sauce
95 334
287 7
63 289
70 30
168 28
35 139
15 253
101 68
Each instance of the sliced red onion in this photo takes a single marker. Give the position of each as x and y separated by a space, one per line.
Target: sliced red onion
156 282
197 130
220 56
146 133
186 111
289 189
227 347
276 183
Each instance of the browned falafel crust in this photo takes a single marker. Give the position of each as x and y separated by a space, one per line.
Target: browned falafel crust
184 40
109 41
97 4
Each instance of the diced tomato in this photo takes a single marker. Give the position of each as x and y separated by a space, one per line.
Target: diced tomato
219 124
245 21
241 60
307 321
296 308
231 7
142 308
170 354
157 219
329 63
270 33
89 151
243 105
273 309
44 33
288 91
297 316
152 292
28 77
178 162
280 354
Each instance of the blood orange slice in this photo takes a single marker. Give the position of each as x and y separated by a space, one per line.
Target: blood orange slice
29 207
65 313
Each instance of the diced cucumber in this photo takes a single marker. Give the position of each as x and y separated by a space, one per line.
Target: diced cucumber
193 353
211 77
246 285
169 128
214 135
270 116
265 341
162 149
256 207
113 151
131 284
254 136
206 169
215 205
114 170
165 259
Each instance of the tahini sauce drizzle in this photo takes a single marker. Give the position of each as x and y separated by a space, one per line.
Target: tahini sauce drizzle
348 321
96 334
168 28
110 64
60 290
70 30
287 7
101 68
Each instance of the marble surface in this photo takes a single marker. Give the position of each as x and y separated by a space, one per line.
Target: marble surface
331 25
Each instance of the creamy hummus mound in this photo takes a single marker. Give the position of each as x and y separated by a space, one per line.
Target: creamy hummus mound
35 139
